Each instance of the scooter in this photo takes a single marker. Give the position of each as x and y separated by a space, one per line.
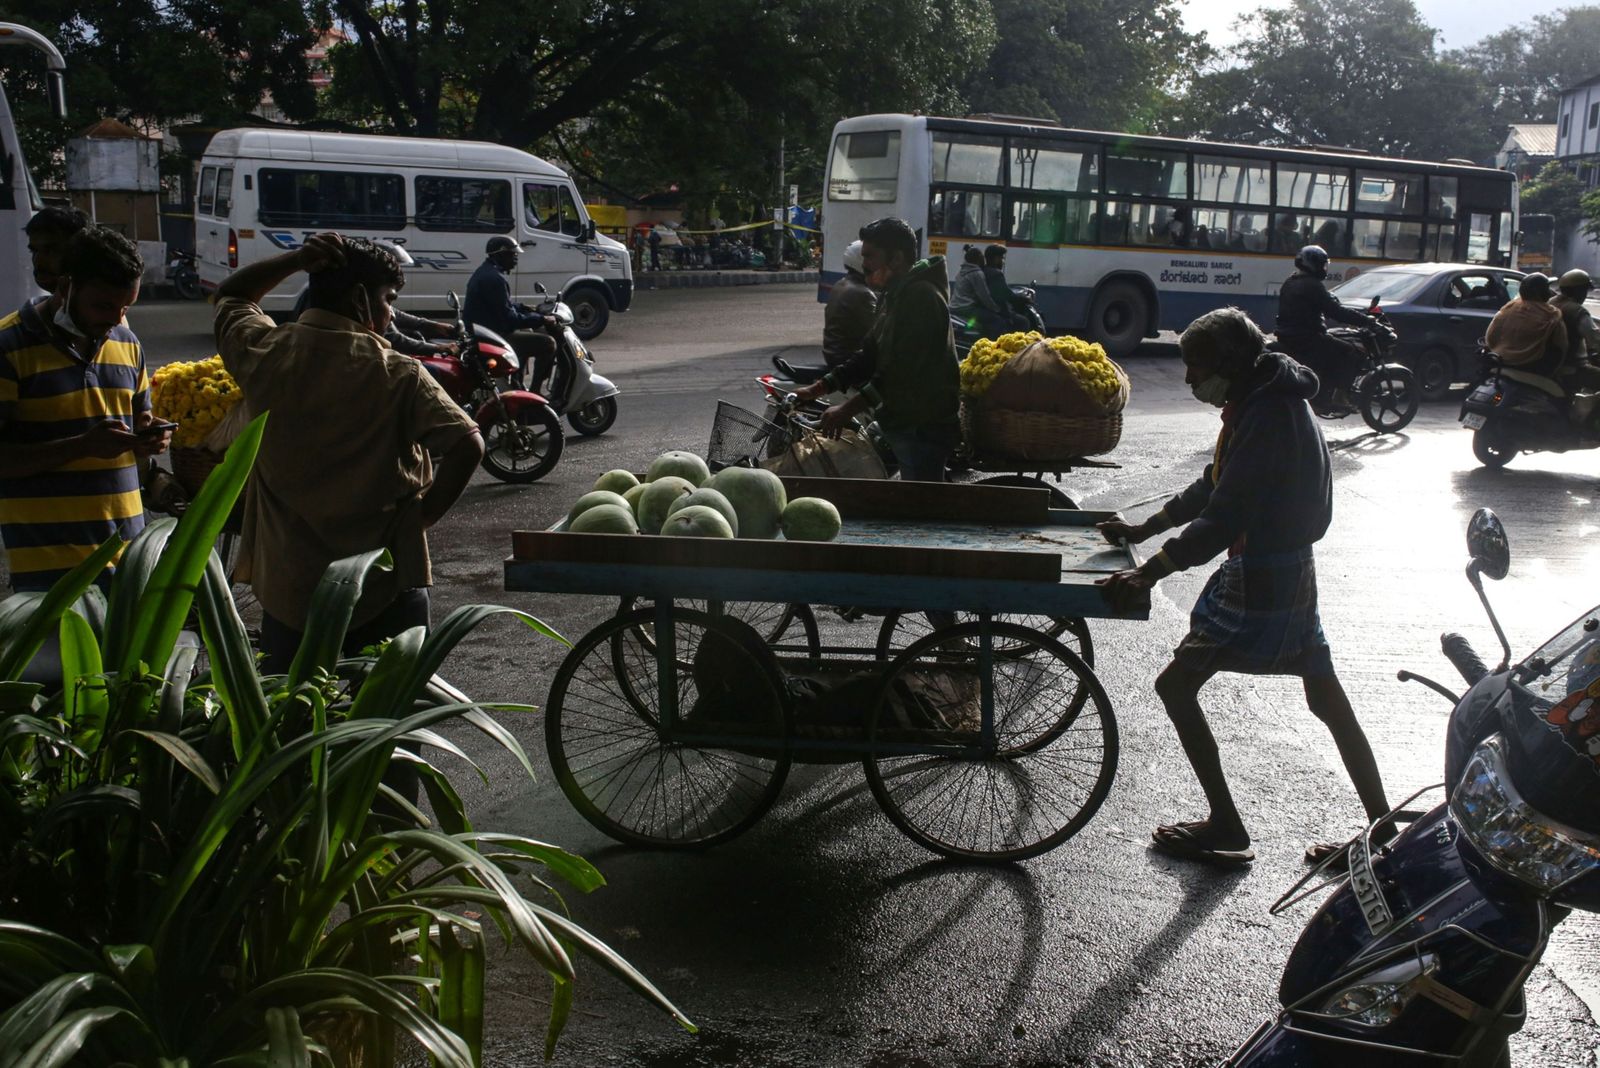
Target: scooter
522 438
1420 955
1385 391
783 409
1023 297
182 275
588 399
1514 411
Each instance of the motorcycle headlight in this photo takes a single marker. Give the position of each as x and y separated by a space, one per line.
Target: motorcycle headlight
1381 996
1511 834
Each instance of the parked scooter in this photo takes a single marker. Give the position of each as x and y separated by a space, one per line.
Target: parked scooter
1514 411
1421 954
586 398
522 438
182 275
1385 392
784 409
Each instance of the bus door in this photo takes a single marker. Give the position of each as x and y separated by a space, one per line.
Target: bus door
1486 210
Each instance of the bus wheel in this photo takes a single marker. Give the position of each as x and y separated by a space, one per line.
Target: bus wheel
1117 318
590 312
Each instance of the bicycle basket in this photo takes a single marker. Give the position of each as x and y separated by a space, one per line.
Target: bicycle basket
741 438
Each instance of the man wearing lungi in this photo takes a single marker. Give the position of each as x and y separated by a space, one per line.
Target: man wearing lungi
1265 499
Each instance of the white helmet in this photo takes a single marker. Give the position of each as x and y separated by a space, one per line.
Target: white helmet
853 260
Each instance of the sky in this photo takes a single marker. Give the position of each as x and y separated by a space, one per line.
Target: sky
1460 23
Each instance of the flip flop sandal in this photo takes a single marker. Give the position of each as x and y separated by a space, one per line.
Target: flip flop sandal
1179 841
1318 852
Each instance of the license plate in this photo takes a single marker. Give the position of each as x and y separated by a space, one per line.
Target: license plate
1368 891
1473 420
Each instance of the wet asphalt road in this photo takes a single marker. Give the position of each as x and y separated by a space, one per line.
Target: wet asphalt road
824 937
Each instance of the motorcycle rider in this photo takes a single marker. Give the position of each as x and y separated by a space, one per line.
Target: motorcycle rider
489 304
1583 336
1304 306
972 300
1528 333
849 312
994 270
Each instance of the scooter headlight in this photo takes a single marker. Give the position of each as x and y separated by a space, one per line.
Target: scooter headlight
1381 997
1512 835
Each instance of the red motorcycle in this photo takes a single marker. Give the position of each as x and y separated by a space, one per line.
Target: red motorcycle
522 437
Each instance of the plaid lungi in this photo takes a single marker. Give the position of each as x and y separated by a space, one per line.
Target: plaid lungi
1258 616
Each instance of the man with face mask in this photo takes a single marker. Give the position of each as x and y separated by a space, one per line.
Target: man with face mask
488 303
74 410
344 464
49 232
1265 499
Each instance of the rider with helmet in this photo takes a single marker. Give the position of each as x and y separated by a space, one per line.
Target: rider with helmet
849 311
1304 304
1583 336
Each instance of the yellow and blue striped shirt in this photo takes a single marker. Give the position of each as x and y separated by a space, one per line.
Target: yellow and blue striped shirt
51 521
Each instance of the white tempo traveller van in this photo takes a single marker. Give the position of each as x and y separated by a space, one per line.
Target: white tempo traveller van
262 192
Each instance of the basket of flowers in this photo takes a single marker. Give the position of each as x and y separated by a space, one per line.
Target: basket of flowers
1029 397
203 399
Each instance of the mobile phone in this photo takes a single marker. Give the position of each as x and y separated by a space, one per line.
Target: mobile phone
156 428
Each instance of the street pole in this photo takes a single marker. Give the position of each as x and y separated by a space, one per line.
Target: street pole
781 216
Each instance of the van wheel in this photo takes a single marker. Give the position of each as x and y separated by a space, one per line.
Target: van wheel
590 312
1117 318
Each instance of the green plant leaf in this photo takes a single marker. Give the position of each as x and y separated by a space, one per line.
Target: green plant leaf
233 662
128 585
105 801
332 604
186 757
170 591
28 1020
59 1045
19 727
571 867
84 690
560 1011
460 994
287 1045
30 637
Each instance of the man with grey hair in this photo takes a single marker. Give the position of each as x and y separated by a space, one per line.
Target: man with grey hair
1265 499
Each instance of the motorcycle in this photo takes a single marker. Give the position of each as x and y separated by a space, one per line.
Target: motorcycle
1385 391
587 399
1514 411
1421 954
1022 303
522 438
182 275
784 410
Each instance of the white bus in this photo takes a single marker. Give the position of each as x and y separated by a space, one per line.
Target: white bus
19 197
264 191
1128 235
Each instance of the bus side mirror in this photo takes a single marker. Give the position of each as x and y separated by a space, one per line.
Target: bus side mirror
56 87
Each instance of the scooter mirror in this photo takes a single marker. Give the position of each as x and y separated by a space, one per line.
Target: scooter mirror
539 288
453 300
1487 542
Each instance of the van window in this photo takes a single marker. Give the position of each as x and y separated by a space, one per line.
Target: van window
332 199
224 191
480 205
550 207
208 191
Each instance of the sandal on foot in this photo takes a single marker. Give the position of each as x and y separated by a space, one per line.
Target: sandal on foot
1335 854
1179 840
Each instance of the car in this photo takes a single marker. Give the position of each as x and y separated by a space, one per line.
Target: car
1440 312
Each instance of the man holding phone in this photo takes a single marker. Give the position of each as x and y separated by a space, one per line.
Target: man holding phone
75 419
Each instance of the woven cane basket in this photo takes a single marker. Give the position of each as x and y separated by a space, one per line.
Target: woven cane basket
1040 437
191 466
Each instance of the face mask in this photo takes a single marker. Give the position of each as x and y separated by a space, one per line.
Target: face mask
1212 391
63 318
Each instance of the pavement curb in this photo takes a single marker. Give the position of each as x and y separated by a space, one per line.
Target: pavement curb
699 279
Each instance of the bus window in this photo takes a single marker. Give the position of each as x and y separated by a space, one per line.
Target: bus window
476 205
1386 239
965 213
1441 247
1054 166
1442 197
1037 222
865 166
1301 185
1145 223
1480 228
1388 193
1147 174
1232 181
208 191
962 160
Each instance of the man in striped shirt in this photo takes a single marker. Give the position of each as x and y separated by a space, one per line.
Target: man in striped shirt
75 416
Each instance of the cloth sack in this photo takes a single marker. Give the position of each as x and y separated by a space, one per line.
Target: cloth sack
850 455
1037 379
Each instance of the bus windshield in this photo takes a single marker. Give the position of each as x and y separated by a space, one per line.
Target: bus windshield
865 166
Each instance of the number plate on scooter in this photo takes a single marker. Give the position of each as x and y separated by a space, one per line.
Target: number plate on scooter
1473 420
1369 894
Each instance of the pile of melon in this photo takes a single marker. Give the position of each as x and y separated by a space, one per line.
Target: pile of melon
681 497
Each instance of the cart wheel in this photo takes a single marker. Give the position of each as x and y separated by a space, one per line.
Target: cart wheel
901 629
774 622
1039 780
1058 499
704 778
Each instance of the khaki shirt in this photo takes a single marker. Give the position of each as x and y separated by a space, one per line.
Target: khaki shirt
344 460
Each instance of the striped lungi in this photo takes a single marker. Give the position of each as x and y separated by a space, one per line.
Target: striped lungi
1258 616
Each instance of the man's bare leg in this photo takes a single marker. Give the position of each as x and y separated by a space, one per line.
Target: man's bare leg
1328 703
1179 690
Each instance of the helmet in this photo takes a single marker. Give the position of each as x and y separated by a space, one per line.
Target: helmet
1577 278
1313 259
852 257
1535 287
499 243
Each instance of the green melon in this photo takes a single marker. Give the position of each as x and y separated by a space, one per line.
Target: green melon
617 481
810 519
756 495
605 519
709 498
697 521
657 497
593 499
632 497
685 465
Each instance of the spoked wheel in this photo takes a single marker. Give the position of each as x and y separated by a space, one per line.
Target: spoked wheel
1058 499
693 778
1033 784
594 418
525 448
1389 398
777 624
900 630
1491 447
